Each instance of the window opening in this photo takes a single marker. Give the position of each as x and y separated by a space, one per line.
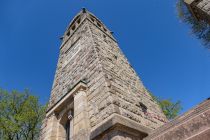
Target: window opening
92 19
68 33
143 107
67 127
73 27
98 24
78 21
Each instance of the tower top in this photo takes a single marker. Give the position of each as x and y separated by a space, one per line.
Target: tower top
83 15
84 10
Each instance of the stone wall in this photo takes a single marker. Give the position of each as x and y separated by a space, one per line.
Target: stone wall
200 9
193 125
204 5
125 88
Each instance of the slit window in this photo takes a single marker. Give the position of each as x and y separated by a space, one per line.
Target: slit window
92 19
68 33
73 27
67 128
78 21
105 29
143 107
115 57
98 24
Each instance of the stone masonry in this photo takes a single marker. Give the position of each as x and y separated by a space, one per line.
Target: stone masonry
200 9
193 125
96 94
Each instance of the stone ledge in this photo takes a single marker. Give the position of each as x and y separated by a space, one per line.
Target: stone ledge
189 1
121 123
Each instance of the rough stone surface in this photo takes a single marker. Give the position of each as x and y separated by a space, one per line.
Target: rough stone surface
204 5
200 9
193 125
90 53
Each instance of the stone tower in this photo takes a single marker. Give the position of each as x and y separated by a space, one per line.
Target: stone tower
96 94
200 9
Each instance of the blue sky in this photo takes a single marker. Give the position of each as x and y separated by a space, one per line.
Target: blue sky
170 61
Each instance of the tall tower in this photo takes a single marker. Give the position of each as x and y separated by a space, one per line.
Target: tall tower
96 94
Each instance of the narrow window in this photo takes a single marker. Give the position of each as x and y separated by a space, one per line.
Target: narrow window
115 57
67 127
143 107
73 27
68 33
78 21
98 24
92 19
105 29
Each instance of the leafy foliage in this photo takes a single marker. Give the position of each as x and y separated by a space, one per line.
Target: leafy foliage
200 29
170 109
20 116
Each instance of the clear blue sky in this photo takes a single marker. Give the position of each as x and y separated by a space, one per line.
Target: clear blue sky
170 61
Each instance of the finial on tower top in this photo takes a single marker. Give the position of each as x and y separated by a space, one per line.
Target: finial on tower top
84 10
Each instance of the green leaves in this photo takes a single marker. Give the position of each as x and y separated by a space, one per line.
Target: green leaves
20 115
170 109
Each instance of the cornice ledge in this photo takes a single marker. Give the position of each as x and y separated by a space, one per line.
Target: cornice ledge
81 85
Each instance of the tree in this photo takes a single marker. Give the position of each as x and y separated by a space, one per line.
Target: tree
201 29
21 115
170 109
